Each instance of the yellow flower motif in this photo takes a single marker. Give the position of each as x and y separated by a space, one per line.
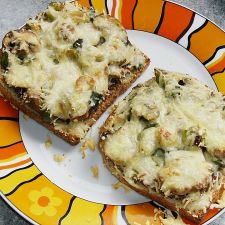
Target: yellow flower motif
44 202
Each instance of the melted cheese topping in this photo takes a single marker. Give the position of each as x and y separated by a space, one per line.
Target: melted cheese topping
125 140
174 118
141 169
197 201
179 174
66 54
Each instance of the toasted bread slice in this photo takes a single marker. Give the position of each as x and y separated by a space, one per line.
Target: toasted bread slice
66 66
160 141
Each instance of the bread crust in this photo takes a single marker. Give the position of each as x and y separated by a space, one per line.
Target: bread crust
166 202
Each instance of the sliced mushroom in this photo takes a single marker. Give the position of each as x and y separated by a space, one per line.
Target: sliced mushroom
22 43
85 83
7 40
25 40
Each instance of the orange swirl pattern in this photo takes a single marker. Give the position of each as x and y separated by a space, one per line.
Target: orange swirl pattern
127 11
12 128
43 201
143 20
204 43
173 25
109 215
216 67
12 152
42 210
100 5
85 3
6 110
142 214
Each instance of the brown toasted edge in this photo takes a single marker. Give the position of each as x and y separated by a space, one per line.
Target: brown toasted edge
12 97
166 202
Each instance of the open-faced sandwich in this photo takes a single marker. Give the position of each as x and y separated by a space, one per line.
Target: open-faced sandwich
66 66
166 140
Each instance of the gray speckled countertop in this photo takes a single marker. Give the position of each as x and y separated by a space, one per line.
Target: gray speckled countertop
14 13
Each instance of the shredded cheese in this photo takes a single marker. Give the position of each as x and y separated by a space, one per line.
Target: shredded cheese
58 158
89 143
95 171
118 185
48 142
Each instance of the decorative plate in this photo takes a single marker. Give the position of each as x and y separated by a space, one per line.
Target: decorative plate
49 193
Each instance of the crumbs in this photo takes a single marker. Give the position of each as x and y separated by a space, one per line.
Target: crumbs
26 117
95 171
89 143
118 185
48 142
58 157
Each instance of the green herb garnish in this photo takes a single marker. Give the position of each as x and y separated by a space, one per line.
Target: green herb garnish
96 98
46 117
5 60
49 17
78 43
159 152
220 162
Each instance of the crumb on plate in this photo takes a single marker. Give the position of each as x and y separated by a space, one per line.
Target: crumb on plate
118 185
48 142
26 117
89 143
95 171
58 157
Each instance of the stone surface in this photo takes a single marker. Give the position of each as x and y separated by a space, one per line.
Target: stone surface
14 13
